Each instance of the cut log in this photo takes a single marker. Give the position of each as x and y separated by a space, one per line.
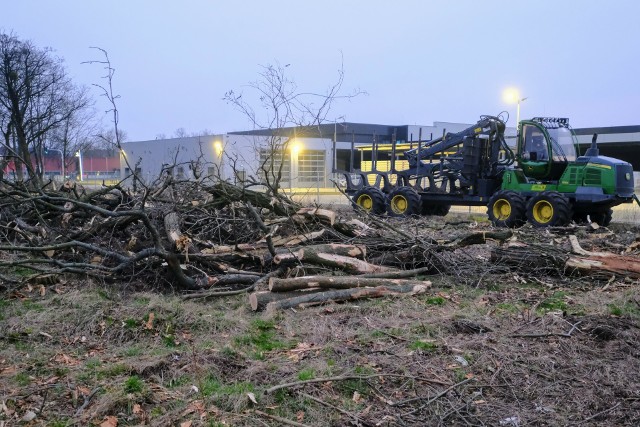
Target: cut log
323 216
353 251
555 260
345 295
181 242
318 256
259 300
336 282
353 228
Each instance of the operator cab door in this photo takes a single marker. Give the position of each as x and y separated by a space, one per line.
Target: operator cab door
533 149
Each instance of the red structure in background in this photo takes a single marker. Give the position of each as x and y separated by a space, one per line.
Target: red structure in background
96 164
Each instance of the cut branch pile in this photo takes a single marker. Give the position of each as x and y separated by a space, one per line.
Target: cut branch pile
220 239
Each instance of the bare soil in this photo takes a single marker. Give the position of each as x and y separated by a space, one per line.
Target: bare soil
485 346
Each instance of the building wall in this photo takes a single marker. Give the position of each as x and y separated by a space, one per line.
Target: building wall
191 156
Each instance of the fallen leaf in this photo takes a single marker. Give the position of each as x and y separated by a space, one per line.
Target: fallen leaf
43 290
186 424
149 324
252 397
300 416
356 397
109 421
136 409
29 416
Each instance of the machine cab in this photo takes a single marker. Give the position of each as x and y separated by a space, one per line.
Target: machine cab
545 147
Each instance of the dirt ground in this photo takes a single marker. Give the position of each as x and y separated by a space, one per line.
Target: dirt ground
484 347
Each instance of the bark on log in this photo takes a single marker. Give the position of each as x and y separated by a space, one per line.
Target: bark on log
259 300
336 282
552 259
181 242
331 260
353 251
353 228
346 295
324 216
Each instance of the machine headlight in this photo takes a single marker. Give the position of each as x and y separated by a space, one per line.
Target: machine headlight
627 176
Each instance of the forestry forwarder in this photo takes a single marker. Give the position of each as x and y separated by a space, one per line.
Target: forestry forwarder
544 181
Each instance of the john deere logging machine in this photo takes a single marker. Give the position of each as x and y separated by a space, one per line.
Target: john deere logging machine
544 181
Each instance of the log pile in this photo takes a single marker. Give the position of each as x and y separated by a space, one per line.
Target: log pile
215 240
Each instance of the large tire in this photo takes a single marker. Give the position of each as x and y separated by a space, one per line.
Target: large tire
507 208
370 199
548 209
403 201
603 219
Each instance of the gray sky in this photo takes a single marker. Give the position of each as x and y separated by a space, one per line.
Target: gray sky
419 61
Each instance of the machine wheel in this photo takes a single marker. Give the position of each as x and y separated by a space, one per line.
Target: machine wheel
506 208
403 201
428 209
580 217
549 208
603 219
371 200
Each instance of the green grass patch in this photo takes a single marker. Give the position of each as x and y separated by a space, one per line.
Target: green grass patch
625 308
425 346
133 385
261 338
213 386
554 302
306 374
435 300
22 379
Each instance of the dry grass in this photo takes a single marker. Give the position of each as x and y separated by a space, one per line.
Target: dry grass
500 349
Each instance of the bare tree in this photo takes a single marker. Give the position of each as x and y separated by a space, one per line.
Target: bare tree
37 96
280 111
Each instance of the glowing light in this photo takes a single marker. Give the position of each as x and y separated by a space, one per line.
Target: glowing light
511 95
296 146
217 146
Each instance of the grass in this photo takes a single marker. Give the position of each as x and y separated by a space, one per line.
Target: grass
306 374
554 303
261 338
425 346
134 385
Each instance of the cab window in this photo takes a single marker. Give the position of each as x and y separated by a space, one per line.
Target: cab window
535 147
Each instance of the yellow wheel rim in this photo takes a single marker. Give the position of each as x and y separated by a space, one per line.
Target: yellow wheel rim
365 202
399 204
502 209
543 211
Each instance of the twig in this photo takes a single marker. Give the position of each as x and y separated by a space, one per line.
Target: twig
550 334
437 396
357 419
87 399
280 419
250 288
598 414
344 378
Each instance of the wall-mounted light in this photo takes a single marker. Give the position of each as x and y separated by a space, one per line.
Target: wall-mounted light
217 146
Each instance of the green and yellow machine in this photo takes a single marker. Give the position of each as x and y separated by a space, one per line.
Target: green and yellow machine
544 181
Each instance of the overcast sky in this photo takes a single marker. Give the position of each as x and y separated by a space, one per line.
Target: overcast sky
418 61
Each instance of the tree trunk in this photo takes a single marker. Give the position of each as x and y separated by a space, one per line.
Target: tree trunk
259 300
346 295
336 282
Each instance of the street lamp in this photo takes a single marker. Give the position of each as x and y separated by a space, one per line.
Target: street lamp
79 156
512 96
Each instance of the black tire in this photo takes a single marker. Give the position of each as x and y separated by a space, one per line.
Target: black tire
548 209
370 199
507 208
403 201
580 217
603 219
428 209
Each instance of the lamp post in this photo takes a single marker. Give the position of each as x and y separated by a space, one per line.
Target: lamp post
512 96
79 156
